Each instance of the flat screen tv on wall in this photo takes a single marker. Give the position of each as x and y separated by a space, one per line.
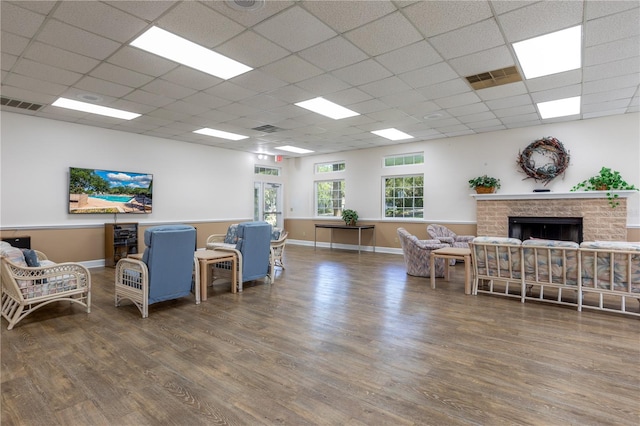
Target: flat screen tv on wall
109 191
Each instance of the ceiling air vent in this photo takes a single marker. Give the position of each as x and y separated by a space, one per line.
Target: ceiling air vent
245 4
15 103
494 78
267 128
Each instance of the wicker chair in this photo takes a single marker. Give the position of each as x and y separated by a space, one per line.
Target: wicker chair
277 251
417 254
165 271
27 288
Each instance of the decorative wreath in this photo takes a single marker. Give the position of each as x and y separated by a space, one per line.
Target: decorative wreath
548 147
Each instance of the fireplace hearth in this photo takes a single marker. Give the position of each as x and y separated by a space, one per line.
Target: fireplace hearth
549 228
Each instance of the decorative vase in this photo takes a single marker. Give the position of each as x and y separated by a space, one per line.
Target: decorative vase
485 189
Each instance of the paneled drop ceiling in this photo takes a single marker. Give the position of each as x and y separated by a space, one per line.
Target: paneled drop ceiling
400 64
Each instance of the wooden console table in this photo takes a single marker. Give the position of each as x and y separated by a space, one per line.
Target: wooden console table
359 228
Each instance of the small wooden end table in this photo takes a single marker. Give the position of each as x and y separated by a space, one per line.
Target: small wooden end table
447 253
210 257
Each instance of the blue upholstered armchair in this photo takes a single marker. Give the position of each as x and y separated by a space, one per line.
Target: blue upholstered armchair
417 254
253 248
165 271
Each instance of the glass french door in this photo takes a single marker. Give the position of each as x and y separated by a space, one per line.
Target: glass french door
268 203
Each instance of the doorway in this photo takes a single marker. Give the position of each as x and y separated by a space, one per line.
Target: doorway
267 203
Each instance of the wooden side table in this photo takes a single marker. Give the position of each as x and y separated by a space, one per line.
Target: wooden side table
446 253
210 257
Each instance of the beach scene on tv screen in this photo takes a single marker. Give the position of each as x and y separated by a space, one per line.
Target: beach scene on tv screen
109 191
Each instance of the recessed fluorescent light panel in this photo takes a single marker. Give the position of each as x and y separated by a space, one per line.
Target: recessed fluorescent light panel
94 109
392 134
559 108
293 149
163 43
327 108
220 134
550 53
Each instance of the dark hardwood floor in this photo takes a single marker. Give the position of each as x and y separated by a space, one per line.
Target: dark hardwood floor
338 339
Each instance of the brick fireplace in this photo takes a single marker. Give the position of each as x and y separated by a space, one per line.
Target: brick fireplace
599 220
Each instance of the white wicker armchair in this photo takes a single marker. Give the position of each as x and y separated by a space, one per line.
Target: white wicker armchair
26 288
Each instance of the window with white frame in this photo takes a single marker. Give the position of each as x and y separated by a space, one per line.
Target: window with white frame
338 166
404 159
404 196
330 197
264 170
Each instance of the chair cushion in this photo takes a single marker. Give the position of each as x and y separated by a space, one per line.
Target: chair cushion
13 254
31 258
232 234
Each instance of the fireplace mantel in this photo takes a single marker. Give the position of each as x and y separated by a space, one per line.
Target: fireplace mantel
600 221
552 195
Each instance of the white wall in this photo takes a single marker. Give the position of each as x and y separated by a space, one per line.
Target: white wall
449 163
191 182
200 183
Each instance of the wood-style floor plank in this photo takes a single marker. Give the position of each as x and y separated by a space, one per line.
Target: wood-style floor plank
340 338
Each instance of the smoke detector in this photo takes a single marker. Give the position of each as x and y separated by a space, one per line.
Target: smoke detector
245 4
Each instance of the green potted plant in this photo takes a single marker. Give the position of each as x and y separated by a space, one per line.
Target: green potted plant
484 184
350 217
606 180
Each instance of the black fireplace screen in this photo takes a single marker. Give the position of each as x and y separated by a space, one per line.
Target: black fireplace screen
549 228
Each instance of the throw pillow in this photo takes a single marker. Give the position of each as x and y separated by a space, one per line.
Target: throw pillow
31 258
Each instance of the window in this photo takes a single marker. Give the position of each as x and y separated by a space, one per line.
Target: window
330 167
404 160
329 198
263 170
404 196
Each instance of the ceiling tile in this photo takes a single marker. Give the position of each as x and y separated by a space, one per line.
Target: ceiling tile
408 58
385 86
504 91
292 69
44 72
199 24
79 41
166 88
13 44
630 80
457 100
120 75
613 51
540 18
141 61
231 91
147 10
386 34
559 93
613 27
258 81
428 76
323 84
102 87
19 21
554 80
437 17
343 16
333 54
252 50
250 18
474 38
485 61
444 89
99 18
611 69
60 58
191 78
362 72
509 102
308 29
598 9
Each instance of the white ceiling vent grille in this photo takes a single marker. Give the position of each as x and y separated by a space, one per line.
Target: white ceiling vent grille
267 128
246 4
15 103
494 78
